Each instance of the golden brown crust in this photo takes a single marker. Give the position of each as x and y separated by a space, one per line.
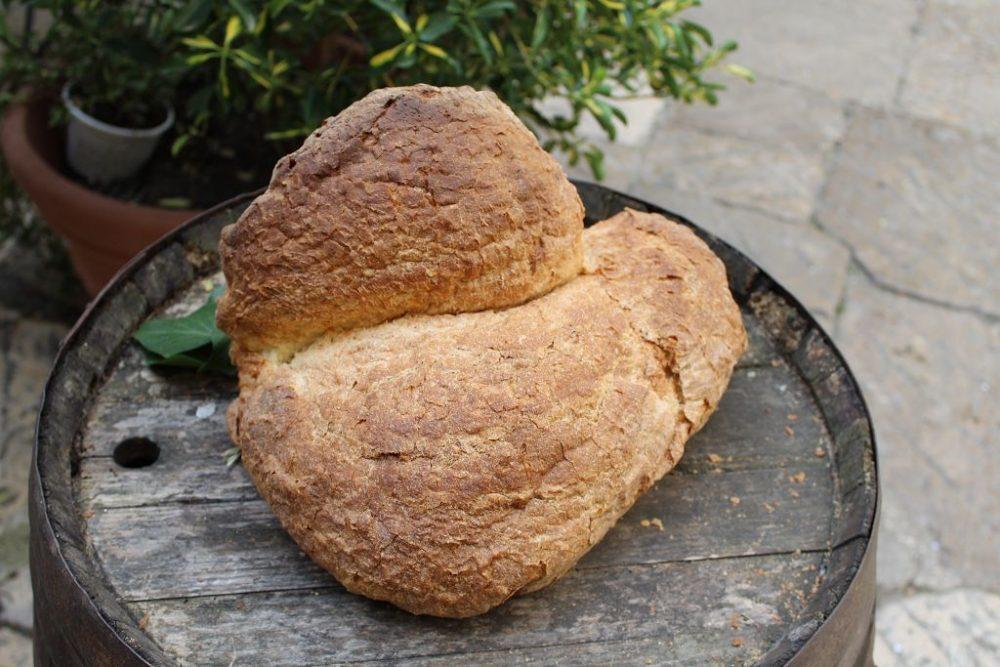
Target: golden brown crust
412 200
447 462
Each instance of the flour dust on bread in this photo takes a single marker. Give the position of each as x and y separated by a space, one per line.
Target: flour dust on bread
449 391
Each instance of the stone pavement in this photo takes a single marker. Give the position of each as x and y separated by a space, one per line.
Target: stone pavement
863 171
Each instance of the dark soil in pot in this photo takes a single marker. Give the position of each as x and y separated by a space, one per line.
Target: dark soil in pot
199 178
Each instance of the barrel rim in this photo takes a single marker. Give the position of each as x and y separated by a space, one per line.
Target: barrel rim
117 625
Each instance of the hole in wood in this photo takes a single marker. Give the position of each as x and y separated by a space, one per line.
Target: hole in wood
136 453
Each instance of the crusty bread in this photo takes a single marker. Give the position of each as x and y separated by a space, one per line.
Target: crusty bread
412 200
464 452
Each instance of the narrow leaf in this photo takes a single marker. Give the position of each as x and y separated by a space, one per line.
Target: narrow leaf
246 14
742 72
438 25
233 28
384 57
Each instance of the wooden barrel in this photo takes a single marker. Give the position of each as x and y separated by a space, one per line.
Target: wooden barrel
147 548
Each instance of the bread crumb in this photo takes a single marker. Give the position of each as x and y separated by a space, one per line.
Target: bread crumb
646 523
819 452
769 507
714 458
797 478
144 621
735 500
793 493
793 417
789 430
737 641
734 621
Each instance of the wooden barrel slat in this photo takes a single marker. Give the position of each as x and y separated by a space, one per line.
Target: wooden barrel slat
201 548
763 553
695 602
191 462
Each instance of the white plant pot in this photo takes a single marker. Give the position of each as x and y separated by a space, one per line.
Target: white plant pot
101 152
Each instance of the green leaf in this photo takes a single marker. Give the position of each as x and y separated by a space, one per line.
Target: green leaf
200 58
595 158
473 31
699 30
742 72
435 51
246 14
390 7
386 56
541 29
492 10
193 341
401 23
199 42
233 29
179 143
168 337
246 56
580 11
439 24
194 15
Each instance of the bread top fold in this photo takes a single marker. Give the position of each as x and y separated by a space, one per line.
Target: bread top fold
412 200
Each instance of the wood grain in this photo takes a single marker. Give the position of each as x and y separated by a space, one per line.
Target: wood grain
682 611
207 548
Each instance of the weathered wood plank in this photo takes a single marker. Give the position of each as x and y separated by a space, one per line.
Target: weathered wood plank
766 420
690 607
760 348
719 515
192 438
176 550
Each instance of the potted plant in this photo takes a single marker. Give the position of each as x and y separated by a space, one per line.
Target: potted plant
248 79
87 102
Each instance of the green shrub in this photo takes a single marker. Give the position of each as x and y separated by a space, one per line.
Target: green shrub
249 78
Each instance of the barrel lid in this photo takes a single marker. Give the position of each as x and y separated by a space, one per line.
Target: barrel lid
756 548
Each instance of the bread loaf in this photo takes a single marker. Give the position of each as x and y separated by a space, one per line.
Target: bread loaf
446 451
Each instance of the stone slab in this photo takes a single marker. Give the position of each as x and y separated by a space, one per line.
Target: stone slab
930 378
917 201
15 649
956 628
954 75
769 111
779 179
849 50
26 351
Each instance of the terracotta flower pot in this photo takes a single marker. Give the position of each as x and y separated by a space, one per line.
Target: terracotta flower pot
102 233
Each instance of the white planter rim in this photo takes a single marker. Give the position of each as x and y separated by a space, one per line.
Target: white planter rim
125 132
